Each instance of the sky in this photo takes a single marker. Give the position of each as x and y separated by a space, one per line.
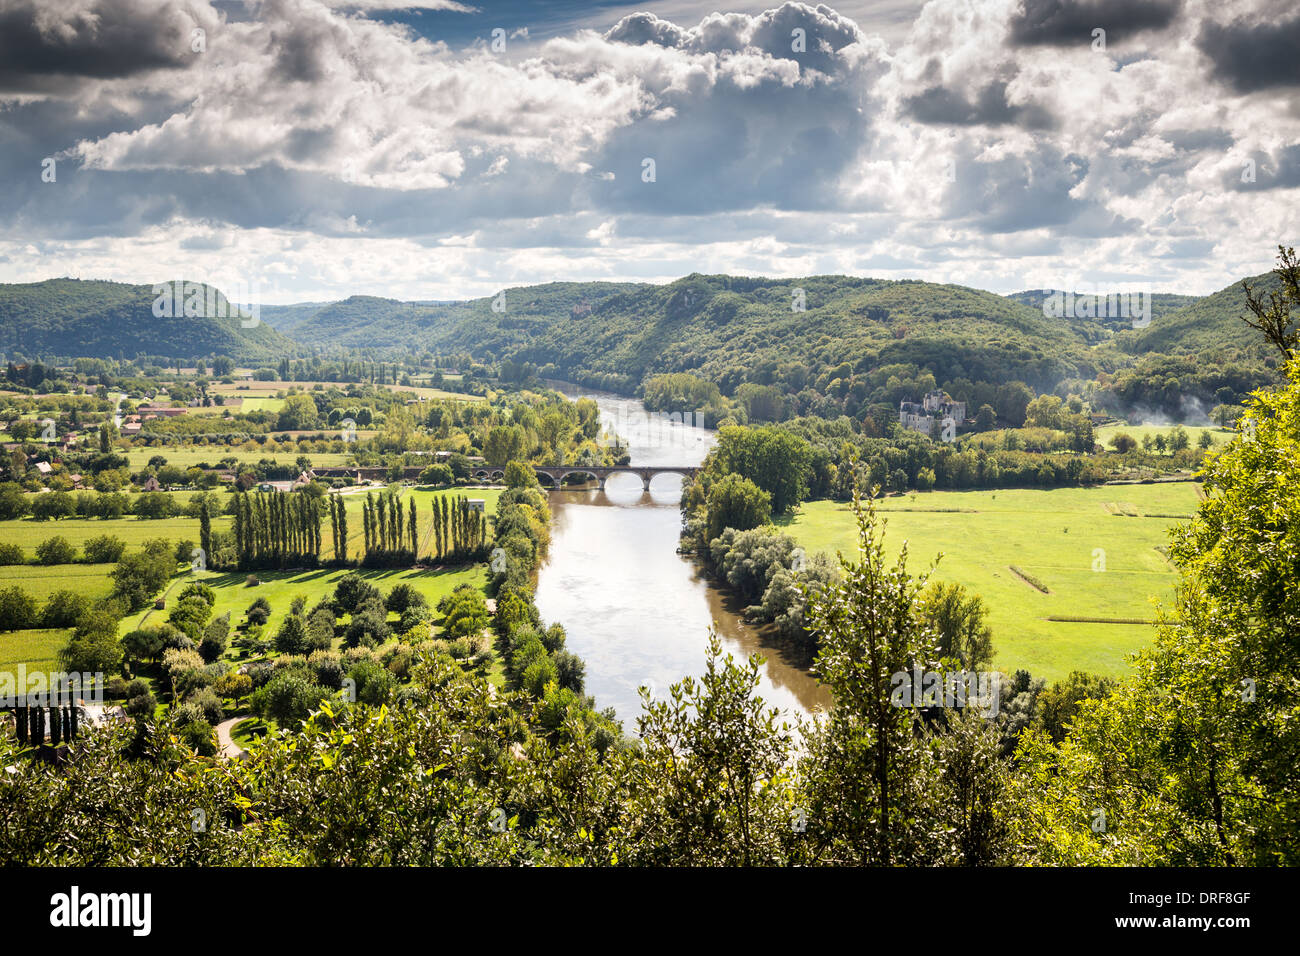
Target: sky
306 150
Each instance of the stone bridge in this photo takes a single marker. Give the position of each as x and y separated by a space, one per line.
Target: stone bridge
558 473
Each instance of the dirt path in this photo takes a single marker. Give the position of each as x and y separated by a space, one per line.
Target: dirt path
229 749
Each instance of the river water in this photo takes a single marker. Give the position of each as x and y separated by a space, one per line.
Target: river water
636 611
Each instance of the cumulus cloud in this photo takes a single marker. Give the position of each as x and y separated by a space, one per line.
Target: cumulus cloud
990 140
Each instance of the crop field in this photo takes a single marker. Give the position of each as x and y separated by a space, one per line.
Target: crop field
37 649
134 531
1095 550
92 580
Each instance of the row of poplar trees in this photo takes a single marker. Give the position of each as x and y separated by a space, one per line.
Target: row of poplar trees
389 540
459 531
276 530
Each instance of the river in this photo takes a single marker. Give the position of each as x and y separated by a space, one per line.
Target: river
636 611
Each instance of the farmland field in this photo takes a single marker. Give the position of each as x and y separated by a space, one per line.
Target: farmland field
1056 537
1105 433
37 649
134 531
40 582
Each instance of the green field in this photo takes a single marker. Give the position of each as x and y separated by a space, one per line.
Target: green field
1105 433
1055 536
35 648
92 580
134 531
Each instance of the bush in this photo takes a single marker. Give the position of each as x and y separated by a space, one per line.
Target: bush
17 609
208 704
374 683
141 706
12 554
104 549
258 612
287 698
403 597
63 609
56 550
233 685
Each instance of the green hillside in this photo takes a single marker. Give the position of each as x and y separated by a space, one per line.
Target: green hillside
74 317
1208 323
1099 326
728 329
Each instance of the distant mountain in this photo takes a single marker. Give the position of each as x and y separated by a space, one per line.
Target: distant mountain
727 328
91 318
1208 323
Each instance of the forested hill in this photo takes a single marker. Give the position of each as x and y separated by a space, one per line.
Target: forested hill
728 329
91 318
1211 322
1095 324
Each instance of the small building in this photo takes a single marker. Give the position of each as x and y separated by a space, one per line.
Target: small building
475 504
43 467
151 485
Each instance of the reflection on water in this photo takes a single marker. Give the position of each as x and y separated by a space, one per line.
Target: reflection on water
637 612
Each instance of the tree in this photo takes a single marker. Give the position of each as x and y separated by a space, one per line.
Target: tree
1192 759
1273 318
13 501
17 609
215 637
291 638
142 574
736 502
711 785
94 646
958 618
868 772
104 549
985 418
1123 443
776 460
56 550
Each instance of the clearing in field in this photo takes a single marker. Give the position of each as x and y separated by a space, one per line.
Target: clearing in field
1097 551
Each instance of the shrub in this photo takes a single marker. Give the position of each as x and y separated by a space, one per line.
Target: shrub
208 703
12 554
258 612
56 550
63 609
17 609
104 549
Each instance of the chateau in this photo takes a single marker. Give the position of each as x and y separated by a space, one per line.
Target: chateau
935 405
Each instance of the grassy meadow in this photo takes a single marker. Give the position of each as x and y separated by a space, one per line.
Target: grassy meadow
1105 433
1056 537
